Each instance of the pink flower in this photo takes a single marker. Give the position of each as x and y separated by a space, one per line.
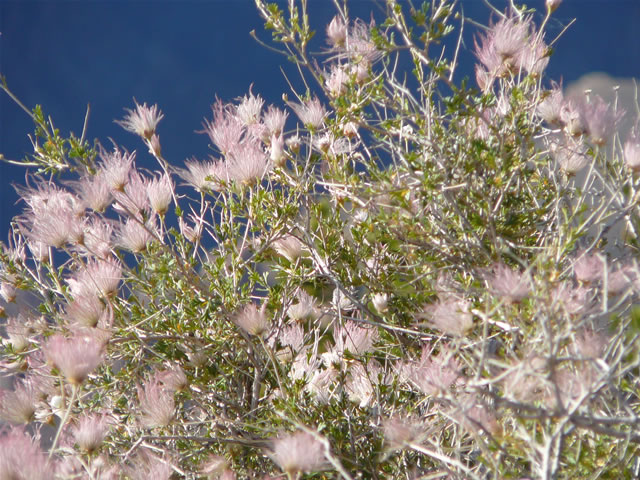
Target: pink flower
306 308
225 130
450 316
632 151
401 431
249 110
136 236
289 247
252 320
299 452
274 120
97 239
143 121
75 357
21 457
86 310
601 119
588 268
19 405
573 116
311 113
248 164
116 167
550 108
337 80
98 277
156 403
199 175
509 284
354 338
173 378
90 431
432 374
336 32
94 191
571 155
159 192
132 199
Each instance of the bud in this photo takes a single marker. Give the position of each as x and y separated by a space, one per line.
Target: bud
552 5
337 32
380 302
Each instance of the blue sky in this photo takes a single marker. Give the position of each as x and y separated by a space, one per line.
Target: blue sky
182 54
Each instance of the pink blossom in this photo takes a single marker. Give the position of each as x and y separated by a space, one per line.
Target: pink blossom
173 378
354 338
132 199
571 155
306 308
601 119
90 431
589 267
19 405
336 81
199 175
274 120
225 130
94 191
361 381
401 431
250 108
248 164
336 32
143 121
573 300
311 113
156 404
432 374
509 284
21 457
252 320
116 167
289 247
159 192
136 236
632 151
299 452
98 277
86 310
450 316
97 238
75 357
550 108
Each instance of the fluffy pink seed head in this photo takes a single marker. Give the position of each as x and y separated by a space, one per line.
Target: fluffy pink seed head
250 108
116 167
311 113
159 192
299 452
142 121
98 277
632 151
75 357
252 320
90 431
336 32
156 404
274 120
21 457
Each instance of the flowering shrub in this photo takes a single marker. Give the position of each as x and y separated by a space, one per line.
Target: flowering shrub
391 276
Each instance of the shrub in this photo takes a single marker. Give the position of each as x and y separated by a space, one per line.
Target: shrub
393 275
